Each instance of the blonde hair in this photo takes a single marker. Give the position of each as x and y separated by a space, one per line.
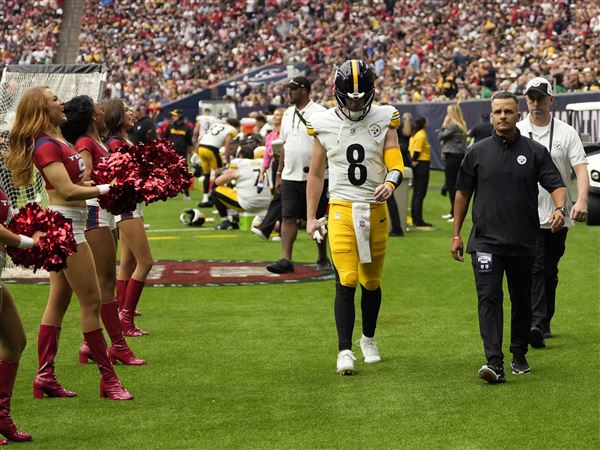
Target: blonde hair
31 121
407 124
456 117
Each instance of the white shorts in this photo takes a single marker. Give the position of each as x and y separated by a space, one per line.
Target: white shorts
135 214
78 217
99 218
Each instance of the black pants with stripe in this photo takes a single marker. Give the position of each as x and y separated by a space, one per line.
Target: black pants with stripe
490 298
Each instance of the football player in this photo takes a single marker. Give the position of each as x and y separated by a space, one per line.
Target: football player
359 143
220 134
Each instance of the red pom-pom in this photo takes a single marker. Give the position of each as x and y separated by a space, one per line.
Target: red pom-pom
141 173
53 249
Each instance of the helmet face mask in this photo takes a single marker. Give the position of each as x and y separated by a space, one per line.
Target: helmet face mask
354 81
192 218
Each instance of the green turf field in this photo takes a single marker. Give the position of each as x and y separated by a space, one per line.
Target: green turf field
254 366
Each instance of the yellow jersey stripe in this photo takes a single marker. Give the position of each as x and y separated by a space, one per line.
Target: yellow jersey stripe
309 129
395 120
354 64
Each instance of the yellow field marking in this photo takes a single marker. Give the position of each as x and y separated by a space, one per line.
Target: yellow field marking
218 236
162 238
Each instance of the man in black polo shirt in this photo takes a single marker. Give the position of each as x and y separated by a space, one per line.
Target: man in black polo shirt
180 133
503 171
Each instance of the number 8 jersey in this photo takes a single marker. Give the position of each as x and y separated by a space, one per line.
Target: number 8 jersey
354 150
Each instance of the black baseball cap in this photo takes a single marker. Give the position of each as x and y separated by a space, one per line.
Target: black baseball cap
299 82
538 84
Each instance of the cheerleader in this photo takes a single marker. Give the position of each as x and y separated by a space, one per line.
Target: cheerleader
12 334
136 257
35 139
85 124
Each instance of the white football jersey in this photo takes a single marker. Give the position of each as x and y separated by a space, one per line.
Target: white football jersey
206 122
216 135
354 150
245 185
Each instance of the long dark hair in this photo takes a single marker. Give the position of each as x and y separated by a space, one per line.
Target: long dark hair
79 111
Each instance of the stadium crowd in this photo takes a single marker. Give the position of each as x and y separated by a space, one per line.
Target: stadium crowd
29 31
421 51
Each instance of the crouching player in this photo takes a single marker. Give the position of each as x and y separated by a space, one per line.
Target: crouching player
360 145
245 195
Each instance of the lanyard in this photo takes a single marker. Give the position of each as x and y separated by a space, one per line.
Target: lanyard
551 135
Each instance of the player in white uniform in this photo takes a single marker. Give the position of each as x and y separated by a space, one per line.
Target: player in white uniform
244 196
359 143
220 134
203 124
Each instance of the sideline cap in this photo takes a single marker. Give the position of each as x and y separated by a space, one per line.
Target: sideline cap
540 85
300 82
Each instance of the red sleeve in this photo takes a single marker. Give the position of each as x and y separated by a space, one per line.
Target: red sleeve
85 143
115 144
47 153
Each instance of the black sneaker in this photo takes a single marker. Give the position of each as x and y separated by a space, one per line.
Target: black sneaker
205 204
492 374
227 225
281 266
423 224
536 338
519 365
547 334
324 265
396 232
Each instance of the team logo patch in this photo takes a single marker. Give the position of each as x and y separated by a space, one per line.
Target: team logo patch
198 273
362 223
556 145
375 130
521 159
536 83
352 131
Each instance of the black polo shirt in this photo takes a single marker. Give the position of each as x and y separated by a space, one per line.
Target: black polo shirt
181 135
504 175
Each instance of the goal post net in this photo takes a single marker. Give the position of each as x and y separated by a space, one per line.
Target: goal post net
67 81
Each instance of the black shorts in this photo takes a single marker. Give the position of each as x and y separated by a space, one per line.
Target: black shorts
293 199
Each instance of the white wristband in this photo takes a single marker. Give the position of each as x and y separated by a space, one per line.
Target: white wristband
26 241
103 188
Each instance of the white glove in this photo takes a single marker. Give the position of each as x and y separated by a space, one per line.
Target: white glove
319 235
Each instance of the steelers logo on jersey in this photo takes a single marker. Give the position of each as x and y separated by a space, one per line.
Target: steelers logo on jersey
375 130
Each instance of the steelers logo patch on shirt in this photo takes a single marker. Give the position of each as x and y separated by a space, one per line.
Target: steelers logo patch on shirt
375 130
556 145
521 159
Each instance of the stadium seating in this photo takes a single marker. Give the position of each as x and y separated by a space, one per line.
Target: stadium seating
421 50
29 31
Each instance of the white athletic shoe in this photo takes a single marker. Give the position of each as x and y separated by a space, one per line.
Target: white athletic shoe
345 362
257 231
369 349
447 216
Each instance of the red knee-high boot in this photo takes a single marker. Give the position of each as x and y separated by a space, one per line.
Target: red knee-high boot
8 373
110 385
132 297
121 288
45 381
119 351
120 295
